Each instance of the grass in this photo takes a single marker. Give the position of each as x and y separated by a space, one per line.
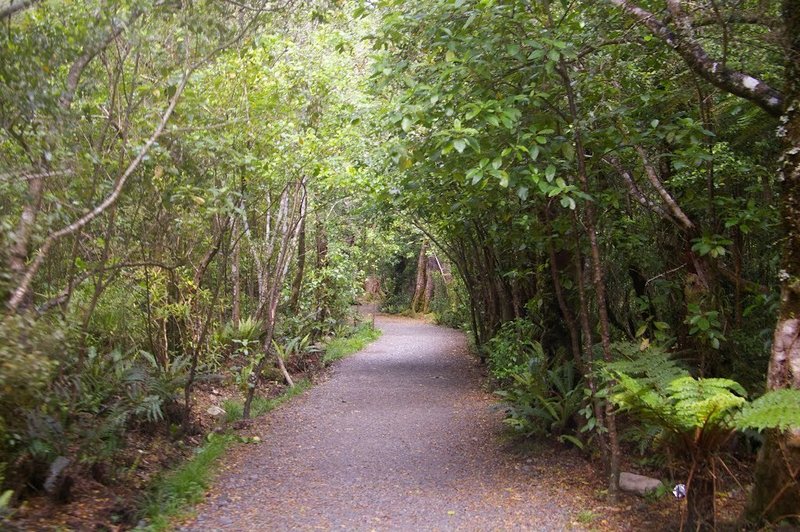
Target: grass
184 486
585 517
339 348
174 492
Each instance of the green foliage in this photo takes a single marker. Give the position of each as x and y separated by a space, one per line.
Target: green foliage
514 351
172 493
776 409
26 368
654 387
545 402
357 340
246 333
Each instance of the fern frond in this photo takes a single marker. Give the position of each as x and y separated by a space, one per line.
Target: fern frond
653 367
705 402
778 409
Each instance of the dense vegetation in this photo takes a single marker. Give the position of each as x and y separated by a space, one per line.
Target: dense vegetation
604 193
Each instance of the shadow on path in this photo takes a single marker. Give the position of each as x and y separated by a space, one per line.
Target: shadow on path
401 437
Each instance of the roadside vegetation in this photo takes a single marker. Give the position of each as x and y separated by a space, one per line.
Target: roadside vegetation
193 196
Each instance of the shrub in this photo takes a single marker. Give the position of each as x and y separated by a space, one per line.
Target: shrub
545 403
514 350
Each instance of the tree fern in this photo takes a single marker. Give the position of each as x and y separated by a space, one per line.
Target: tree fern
704 402
652 366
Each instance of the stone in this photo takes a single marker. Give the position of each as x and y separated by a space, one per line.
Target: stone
58 483
638 484
215 411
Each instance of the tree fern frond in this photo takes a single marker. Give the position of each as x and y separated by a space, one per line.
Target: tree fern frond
778 409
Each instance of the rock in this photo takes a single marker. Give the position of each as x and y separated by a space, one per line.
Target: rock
215 411
58 483
638 484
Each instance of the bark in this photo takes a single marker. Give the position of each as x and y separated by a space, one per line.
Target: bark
20 240
700 508
297 283
283 235
566 313
14 6
89 53
597 279
419 285
776 494
199 337
586 335
236 280
321 244
22 290
428 296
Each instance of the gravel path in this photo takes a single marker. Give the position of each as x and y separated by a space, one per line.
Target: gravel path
401 437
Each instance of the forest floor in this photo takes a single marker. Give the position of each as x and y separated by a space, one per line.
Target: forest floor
403 436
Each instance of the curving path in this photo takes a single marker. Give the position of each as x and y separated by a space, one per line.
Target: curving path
401 437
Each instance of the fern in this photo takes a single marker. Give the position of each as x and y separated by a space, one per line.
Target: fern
778 409
653 385
652 367
705 402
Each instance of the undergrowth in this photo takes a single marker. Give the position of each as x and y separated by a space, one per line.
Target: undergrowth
175 491
262 405
339 348
184 486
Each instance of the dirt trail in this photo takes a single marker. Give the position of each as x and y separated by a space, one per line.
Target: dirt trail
401 437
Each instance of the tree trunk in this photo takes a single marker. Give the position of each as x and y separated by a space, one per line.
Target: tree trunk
321 241
428 297
236 280
419 285
776 494
700 511
297 283
597 279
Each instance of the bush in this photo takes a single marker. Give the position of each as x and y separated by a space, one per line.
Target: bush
514 350
695 416
59 401
545 403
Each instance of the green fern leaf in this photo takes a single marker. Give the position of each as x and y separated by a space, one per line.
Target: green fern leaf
778 409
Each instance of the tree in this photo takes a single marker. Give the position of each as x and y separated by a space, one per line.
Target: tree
777 492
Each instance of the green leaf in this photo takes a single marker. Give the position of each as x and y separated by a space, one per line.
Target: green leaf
550 172
406 124
459 145
777 409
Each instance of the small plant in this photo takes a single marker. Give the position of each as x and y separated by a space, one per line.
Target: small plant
513 349
184 486
545 403
585 517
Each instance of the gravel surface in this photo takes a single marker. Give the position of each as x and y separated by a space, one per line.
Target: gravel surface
401 437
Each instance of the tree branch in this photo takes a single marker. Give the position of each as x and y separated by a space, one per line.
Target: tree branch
13 6
91 51
698 60
24 286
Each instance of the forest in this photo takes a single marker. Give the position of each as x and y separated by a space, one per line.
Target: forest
605 195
